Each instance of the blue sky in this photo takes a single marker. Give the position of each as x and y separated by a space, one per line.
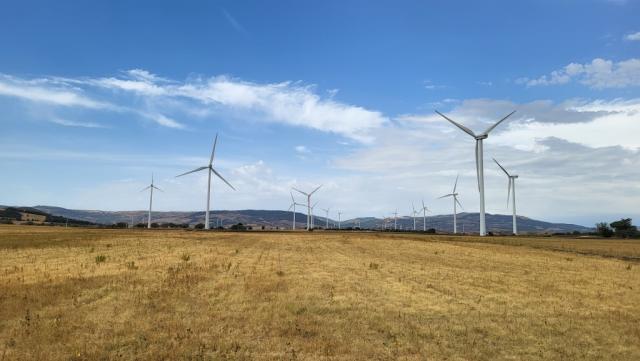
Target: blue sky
94 96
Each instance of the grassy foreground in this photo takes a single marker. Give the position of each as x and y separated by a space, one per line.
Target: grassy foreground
75 294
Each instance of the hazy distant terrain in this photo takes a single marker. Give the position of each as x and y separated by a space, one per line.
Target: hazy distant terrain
282 219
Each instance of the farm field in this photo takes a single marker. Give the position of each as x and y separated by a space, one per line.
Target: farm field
92 294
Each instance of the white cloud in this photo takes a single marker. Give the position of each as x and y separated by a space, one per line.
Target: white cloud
13 87
598 74
164 121
289 103
633 36
302 149
73 123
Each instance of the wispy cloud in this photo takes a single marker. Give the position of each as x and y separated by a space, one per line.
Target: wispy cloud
633 36
74 123
150 97
430 85
32 91
234 23
598 74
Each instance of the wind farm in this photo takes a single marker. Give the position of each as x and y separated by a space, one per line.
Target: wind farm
223 180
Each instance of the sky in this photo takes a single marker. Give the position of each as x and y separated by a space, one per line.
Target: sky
96 96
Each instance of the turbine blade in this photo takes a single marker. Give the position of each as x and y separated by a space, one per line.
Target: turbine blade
446 195
501 167
457 201
219 176
315 189
292 199
297 190
192 171
291 206
154 187
145 188
462 127
423 207
213 151
486 132
455 185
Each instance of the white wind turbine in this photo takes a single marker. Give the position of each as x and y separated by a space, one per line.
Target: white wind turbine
339 220
308 195
151 187
293 205
210 170
313 221
455 201
479 161
326 218
395 220
424 216
511 187
413 215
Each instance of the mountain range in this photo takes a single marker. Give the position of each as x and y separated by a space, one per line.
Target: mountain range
275 219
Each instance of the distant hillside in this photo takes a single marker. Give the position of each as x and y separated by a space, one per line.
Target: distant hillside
470 223
271 219
30 214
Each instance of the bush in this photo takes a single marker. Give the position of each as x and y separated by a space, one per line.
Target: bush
101 258
199 226
239 227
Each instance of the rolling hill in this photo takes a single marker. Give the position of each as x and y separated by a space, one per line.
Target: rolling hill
272 219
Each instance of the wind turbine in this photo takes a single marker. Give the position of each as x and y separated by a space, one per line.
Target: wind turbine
413 215
455 201
339 220
313 216
424 216
210 170
511 186
479 161
308 195
151 187
326 218
395 220
293 205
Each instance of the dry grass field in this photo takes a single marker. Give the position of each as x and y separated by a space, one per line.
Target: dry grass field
78 294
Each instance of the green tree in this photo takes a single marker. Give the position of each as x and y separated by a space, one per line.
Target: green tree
624 228
602 229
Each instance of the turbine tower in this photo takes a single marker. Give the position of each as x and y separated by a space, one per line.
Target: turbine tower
313 225
151 187
326 218
395 220
413 215
210 170
293 205
424 216
339 220
511 188
479 161
455 201
308 195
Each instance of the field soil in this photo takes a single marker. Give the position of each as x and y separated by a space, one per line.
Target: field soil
97 294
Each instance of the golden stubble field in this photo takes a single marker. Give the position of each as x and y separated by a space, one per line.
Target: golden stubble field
82 294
